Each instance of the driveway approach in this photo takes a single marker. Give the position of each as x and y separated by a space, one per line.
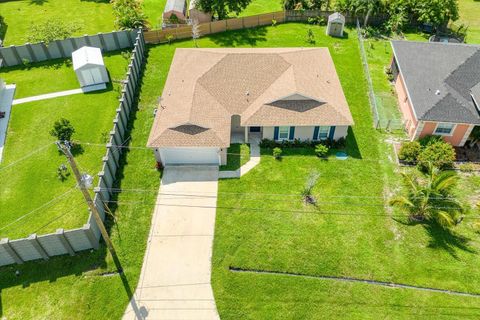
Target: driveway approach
175 278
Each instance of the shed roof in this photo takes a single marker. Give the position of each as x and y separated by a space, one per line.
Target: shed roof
266 87
175 5
441 79
336 16
87 56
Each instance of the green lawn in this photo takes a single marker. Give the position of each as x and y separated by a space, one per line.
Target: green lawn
237 155
261 6
469 15
28 184
154 11
271 232
90 16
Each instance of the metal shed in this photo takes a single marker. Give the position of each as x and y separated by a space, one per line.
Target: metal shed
336 23
90 68
177 8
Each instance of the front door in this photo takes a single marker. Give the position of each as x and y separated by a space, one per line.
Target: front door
254 129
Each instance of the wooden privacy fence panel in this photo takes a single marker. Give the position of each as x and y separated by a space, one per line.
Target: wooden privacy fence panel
185 32
111 41
87 237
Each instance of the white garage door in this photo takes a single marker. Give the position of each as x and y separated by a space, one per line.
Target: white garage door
189 156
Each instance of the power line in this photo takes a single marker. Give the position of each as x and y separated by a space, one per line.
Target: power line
38 208
27 156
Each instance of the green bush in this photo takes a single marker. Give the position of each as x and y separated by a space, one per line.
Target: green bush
440 154
277 153
129 14
321 150
409 151
270 144
62 130
428 140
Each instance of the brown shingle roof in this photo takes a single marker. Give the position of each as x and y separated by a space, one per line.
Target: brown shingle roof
266 87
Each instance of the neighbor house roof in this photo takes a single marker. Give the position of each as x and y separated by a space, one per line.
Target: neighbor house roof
266 87
441 79
87 56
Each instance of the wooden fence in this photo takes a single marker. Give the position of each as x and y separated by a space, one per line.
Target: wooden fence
87 237
266 19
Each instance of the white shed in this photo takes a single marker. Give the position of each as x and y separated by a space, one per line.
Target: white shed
90 69
336 23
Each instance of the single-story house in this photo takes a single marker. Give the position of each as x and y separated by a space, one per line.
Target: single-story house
438 88
177 8
215 96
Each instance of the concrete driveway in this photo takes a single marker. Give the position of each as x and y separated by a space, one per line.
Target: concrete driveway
175 278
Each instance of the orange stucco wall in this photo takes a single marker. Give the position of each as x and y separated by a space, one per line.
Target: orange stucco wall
455 139
405 107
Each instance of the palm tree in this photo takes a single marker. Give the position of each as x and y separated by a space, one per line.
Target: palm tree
431 198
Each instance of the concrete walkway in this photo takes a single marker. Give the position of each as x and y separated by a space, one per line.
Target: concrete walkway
175 278
47 96
254 160
6 98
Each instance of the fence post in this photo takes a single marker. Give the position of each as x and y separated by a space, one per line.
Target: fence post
388 125
115 39
45 50
33 240
94 242
59 44
5 244
102 41
15 53
64 241
87 40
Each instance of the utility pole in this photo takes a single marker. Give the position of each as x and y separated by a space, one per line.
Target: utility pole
65 148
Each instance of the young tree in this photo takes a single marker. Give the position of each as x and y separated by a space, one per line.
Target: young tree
431 198
62 130
221 8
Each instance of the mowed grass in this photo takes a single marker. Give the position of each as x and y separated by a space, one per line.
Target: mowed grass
73 288
261 6
263 224
469 15
29 167
89 16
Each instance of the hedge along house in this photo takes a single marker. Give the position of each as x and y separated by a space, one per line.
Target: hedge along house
90 68
215 96
438 87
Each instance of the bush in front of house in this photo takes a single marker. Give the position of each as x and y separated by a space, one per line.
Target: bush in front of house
440 154
321 150
409 151
277 153
270 144
129 14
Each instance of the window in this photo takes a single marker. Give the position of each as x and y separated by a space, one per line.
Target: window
283 133
444 129
323 133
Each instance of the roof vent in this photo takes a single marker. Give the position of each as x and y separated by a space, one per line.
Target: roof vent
247 93
437 92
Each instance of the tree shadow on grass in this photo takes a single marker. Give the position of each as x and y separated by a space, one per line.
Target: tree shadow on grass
447 240
243 37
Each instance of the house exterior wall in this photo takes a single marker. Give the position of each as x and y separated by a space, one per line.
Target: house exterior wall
236 127
457 138
305 132
223 156
199 16
406 107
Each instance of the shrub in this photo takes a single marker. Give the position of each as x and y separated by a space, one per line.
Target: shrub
310 36
274 22
51 30
321 150
428 140
440 154
409 151
62 130
277 153
128 14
